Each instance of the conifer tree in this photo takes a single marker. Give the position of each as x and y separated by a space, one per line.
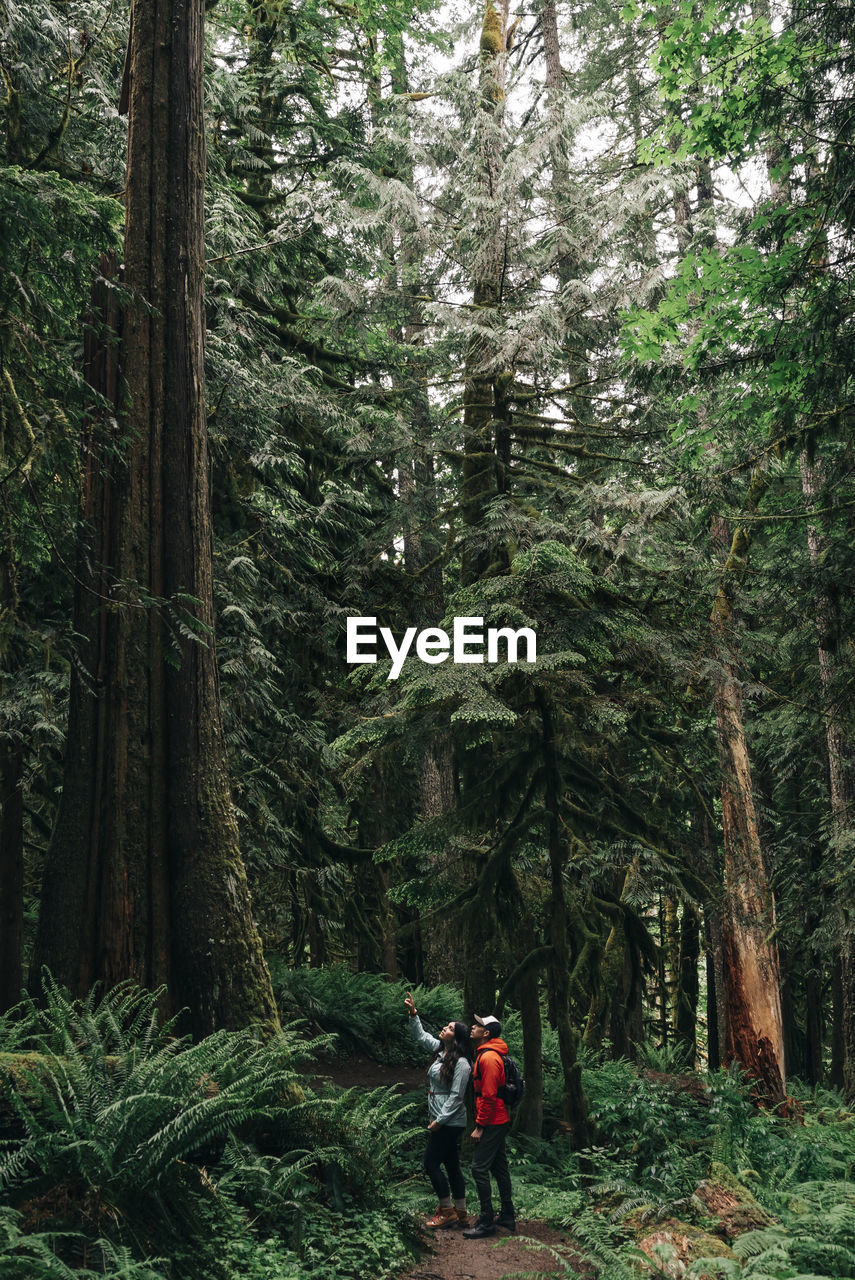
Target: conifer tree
143 878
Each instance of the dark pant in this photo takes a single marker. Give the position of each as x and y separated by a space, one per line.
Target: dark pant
443 1147
489 1157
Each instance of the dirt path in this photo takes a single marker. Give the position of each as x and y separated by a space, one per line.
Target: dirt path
454 1258
450 1257
368 1074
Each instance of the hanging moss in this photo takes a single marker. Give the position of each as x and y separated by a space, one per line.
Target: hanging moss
492 39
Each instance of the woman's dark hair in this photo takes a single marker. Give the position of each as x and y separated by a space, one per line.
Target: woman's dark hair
460 1047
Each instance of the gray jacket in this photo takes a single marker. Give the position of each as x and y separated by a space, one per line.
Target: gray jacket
446 1103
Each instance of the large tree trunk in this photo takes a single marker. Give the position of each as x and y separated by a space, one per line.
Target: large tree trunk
144 878
751 977
751 980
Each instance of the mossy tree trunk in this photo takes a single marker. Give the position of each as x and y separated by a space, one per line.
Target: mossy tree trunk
144 878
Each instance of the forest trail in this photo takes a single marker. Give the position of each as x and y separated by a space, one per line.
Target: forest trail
451 1257
454 1258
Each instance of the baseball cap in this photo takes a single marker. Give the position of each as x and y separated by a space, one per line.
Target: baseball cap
490 1023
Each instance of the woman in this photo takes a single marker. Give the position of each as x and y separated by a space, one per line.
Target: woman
448 1076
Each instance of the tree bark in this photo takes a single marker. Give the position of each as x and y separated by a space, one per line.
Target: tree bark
754 1034
717 1026
713 1054
686 1024
144 878
671 947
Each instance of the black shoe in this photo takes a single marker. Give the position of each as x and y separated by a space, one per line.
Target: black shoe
507 1220
481 1228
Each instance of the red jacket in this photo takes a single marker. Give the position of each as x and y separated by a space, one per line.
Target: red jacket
488 1075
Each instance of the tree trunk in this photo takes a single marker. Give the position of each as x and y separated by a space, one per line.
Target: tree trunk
480 485
529 1118
615 1006
754 1034
662 975
144 878
841 785
437 799
11 872
713 1054
574 1103
671 943
717 1047
11 770
480 932
389 924
687 988
751 980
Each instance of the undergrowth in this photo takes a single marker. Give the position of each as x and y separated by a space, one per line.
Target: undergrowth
130 1152
365 1011
661 1141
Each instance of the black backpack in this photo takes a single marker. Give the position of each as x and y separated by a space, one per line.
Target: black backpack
513 1090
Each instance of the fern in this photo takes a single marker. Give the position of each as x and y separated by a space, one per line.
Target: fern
33 1256
129 1135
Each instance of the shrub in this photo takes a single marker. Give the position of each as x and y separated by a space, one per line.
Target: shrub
364 1010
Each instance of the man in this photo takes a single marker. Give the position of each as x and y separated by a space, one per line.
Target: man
492 1122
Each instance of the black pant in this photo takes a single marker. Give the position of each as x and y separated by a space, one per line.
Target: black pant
443 1147
489 1157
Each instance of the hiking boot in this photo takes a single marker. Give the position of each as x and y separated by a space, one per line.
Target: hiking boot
462 1217
506 1220
483 1227
445 1216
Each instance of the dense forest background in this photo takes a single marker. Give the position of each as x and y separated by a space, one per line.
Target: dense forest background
543 317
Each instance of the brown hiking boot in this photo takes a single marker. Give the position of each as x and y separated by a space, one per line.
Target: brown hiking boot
445 1216
462 1217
